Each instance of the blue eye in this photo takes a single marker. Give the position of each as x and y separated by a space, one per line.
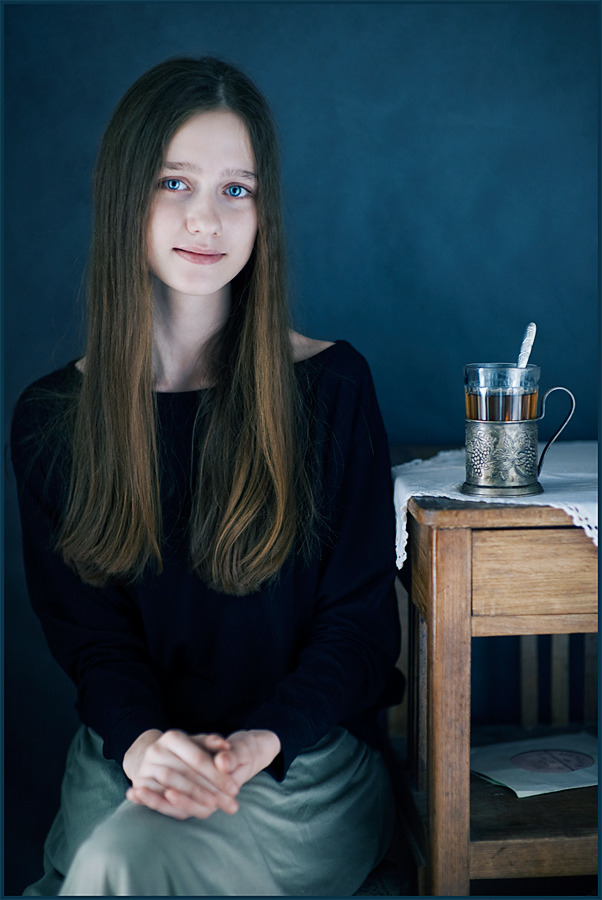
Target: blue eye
173 184
236 191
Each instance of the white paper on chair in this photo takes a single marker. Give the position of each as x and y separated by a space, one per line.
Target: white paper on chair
541 765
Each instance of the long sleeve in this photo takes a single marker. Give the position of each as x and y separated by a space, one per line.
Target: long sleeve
94 634
354 636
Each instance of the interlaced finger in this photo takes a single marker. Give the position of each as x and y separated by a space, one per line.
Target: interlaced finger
171 803
190 784
190 757
164 769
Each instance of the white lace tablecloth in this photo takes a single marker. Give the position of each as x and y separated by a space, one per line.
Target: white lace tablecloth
569 479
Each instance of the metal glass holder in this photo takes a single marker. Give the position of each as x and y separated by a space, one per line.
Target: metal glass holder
501 457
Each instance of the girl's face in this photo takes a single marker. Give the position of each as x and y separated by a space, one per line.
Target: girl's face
203 220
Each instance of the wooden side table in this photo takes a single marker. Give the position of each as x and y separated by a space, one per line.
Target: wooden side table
478 569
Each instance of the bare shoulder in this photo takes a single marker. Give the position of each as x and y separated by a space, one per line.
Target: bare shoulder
304 347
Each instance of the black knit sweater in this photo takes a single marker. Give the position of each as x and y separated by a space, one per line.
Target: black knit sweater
313 648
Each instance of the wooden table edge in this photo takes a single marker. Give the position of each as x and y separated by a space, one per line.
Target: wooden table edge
444 512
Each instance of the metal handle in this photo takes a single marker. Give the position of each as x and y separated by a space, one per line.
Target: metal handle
562 427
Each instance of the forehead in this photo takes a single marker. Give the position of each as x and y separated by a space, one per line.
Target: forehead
212 135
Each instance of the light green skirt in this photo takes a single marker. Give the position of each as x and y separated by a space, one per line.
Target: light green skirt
317 833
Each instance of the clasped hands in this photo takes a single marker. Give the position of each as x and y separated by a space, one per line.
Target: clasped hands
183 775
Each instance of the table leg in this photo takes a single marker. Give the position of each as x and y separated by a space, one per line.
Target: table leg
417 703
449 646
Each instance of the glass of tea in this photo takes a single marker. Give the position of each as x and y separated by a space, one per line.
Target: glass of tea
500 392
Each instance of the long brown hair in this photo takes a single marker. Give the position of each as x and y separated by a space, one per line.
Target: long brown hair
252 494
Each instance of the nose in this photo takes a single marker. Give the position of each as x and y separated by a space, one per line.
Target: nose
202 216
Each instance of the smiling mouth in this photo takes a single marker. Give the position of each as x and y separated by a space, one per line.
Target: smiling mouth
199 257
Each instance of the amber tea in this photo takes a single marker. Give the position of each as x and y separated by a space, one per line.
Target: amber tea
500 392
497 406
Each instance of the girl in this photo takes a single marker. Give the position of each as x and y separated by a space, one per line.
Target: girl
208 531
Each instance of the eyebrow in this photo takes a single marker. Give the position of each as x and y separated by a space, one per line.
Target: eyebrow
190 167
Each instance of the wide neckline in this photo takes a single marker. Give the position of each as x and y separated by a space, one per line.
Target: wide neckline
194 392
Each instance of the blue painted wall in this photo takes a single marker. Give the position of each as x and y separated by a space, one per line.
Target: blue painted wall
440 163
441 181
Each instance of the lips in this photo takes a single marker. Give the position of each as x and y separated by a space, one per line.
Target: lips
199 257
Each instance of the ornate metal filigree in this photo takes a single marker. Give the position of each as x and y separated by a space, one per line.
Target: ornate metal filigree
501 454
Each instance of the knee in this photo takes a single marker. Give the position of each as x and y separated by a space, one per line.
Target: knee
118 857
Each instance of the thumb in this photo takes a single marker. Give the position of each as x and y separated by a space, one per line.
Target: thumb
225 762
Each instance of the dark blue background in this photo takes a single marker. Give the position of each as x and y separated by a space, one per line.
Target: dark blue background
441 184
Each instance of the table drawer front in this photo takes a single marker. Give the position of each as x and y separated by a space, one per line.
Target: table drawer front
533 571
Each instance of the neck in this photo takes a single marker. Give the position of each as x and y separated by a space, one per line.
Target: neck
183 328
